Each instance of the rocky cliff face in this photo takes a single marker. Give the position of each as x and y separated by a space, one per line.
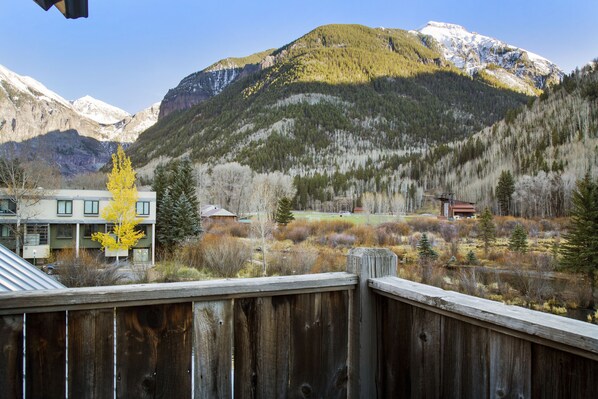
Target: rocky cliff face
78 136
205 84
493 59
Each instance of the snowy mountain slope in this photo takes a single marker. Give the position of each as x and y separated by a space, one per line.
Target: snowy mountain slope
30 86
128 129
99 111
29 109
79 136
477 54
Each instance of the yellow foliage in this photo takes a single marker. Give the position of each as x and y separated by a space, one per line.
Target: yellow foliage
121 210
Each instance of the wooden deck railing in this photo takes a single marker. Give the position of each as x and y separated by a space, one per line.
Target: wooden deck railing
361 334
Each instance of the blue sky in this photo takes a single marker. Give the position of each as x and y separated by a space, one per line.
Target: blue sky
130 52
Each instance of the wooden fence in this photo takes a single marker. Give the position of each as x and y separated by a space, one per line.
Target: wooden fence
361 334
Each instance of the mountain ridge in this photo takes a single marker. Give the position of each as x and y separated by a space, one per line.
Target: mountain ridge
29 110
329 99
490 52
476 54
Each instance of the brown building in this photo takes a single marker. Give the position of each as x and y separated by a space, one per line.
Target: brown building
451 208
214 212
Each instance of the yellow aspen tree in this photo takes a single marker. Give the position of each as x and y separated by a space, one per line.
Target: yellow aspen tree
120 211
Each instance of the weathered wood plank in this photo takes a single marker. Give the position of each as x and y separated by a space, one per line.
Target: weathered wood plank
244 364
213 341
262 347
45 361
562 333
365 263
464 366
305 380
425 354
558 374
153 351
335 342
318 346
393 375
91 353
149 294
510 366
11 356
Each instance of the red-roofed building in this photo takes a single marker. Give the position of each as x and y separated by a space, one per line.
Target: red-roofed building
450 208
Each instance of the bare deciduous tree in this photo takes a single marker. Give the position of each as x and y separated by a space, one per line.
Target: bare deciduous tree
262 206
24 185
230 185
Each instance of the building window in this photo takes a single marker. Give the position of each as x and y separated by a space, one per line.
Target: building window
142 228
36 234
143 208
90 229
91 207
65 207
6 231
64 231
8 206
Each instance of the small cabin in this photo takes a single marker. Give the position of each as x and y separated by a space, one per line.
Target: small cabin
214 212
451 208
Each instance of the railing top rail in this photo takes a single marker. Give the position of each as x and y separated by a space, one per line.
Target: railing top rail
560 330
146 294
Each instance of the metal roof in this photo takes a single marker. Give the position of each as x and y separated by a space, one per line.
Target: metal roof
16 274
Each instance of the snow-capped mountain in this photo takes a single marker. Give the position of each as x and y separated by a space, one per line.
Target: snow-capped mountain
29 109
99 111
477 54
33 117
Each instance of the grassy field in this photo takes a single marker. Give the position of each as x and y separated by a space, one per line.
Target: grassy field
356 218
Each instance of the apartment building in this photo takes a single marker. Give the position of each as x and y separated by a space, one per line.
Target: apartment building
66 219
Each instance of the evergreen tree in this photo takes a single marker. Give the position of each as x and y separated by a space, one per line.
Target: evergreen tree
580 249
284 215
518 240
164 225
471 258
425 250
487 230
177 205
504 191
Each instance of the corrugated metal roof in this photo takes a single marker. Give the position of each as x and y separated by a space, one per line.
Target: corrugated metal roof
16 274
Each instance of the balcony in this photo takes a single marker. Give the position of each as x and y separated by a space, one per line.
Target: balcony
360 334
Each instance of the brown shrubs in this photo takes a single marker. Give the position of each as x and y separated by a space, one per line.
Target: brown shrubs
299 260
84 271
224 256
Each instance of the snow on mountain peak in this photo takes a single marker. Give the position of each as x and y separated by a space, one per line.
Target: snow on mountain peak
473 53
99 111
444 25
30 86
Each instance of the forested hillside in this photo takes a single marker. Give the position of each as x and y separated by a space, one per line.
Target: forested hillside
343 100
546 145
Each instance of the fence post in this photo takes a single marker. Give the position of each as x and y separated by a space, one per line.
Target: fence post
362 358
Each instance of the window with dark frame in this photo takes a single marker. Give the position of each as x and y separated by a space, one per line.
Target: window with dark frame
142 228
8 206
91 207
64 207
64 231
6 231
143 208
90 229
